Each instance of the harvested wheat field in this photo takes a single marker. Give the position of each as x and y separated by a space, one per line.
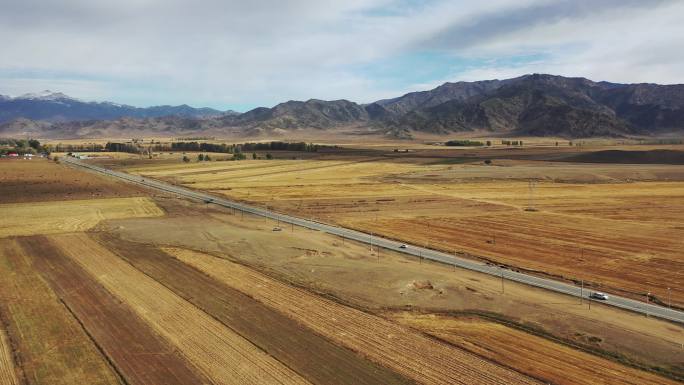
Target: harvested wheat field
70 216
137 353
45 180
542 358
618 227
291 343
8 371
224 356
412 354
51 346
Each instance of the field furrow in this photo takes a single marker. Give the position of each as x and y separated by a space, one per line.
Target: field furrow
223 355
313 356
412 354
8 375
140 356
52 347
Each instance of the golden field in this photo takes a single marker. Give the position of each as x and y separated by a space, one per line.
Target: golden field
617 227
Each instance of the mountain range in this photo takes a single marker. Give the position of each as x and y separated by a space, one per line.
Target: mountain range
530 105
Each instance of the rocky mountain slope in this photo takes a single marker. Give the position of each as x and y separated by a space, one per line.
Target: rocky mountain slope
534 105
58 107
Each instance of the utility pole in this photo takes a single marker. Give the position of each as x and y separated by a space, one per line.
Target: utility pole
502 281
647 295
581 292
669 298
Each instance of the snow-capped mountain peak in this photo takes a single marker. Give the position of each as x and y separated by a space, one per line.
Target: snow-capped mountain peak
46 95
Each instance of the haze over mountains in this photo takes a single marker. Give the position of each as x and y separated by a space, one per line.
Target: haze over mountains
530 105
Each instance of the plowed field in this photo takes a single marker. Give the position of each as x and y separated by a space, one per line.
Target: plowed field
51 346
44 180
316 358
224 356
552 362
423 359
140 356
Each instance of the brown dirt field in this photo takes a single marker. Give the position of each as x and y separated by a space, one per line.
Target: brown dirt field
425 360
70 216
51 346
348 271
221 354
314 357
628 219
552 362
139 355
8 375
43 180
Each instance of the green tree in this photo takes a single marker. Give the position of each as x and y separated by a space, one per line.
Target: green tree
200 157
269 156
254 155
207 158
186 159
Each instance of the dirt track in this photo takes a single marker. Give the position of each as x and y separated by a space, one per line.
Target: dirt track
314 357
139 355
407 352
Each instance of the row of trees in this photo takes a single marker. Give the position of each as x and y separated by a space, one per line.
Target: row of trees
22 146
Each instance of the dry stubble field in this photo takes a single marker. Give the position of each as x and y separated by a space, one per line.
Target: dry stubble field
61 284
618 227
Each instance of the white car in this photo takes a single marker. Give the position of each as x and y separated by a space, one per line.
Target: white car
599 295
402 246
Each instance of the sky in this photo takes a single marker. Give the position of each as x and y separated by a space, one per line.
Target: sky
239 55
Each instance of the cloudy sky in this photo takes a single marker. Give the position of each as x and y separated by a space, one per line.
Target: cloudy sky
242 54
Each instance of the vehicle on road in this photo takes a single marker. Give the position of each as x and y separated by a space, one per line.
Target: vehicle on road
402 246
599 295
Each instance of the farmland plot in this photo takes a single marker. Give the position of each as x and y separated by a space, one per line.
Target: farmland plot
543 358
140 356
8 376
51 346
224 356
70 216
314 357
423 359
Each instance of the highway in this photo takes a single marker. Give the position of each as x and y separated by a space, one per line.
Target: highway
417 251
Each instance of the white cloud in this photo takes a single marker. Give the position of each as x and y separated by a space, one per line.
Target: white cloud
227 53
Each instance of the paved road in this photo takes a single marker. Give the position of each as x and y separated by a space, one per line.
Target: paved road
549 284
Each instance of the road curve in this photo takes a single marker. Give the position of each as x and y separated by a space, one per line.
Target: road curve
528 279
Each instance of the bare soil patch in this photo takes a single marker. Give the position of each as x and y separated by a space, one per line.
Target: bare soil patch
43 180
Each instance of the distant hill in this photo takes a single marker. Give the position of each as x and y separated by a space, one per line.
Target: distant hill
530 105
58 107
